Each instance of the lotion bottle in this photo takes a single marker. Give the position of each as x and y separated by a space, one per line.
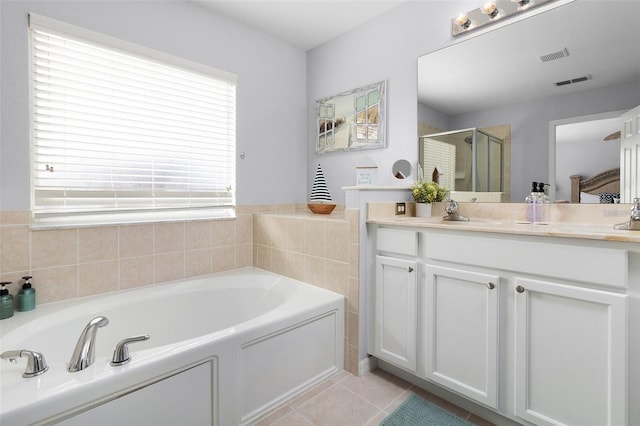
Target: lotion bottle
533 204
6 301
26 297
544 203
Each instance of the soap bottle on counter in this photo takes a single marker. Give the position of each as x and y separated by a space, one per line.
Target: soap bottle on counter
534 205
6 301
26 297
544 203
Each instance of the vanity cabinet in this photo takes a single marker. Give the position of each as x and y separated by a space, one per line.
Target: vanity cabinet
570 356
460 325
533 328
396 298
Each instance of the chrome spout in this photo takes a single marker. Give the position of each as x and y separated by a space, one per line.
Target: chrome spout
634 220
453 213
84 353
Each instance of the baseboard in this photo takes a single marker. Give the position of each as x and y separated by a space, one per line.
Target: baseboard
367 365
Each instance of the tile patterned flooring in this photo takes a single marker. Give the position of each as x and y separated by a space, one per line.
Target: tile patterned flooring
346 400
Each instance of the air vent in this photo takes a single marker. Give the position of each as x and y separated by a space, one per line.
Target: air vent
554 56
573 80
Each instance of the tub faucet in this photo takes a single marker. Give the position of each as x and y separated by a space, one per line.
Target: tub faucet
453 214
85 351
36 365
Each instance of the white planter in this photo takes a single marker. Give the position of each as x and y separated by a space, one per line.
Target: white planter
423 209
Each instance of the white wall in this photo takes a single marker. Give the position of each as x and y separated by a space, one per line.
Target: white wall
388 48
271 124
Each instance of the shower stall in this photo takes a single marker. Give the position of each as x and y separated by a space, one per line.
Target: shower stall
463 160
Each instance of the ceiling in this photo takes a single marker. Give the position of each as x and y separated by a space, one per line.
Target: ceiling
304 24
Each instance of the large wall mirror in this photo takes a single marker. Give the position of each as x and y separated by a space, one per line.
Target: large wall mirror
510 85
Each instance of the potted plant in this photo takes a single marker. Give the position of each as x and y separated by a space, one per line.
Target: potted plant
424 193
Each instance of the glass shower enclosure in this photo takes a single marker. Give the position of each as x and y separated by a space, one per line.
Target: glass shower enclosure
463 160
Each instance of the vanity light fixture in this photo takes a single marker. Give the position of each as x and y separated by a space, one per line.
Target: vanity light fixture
491 11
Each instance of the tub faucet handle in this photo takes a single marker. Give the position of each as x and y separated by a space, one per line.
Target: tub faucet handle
121 354
36 364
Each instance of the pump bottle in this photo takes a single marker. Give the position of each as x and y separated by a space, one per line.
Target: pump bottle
26 297
533 204
6 301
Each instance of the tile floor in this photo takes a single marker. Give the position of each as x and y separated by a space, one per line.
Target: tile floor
346 400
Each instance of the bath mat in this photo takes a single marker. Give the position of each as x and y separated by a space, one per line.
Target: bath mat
416 411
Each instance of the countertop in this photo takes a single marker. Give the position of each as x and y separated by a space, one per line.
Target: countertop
508 226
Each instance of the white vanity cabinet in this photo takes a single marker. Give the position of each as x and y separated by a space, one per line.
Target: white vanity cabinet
570 356
460 326
396 297
534 328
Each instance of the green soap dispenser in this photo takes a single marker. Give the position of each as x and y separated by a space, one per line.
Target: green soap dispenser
26 298
6 301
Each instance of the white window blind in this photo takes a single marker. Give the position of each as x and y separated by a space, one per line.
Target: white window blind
120 136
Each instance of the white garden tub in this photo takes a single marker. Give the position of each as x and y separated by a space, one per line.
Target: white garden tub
223 349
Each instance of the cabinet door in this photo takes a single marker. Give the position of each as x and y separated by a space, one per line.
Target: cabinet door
396 311
571 365
461 331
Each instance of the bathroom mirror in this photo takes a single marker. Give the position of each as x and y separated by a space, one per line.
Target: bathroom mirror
577 59
401 169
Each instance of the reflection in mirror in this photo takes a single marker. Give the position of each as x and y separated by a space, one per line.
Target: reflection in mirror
497 79
401 169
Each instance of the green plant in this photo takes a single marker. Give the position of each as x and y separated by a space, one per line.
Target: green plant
428 192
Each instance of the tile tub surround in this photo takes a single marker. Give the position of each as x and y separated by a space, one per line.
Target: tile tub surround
70 263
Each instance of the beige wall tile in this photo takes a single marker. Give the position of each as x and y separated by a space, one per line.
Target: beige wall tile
135 240
246 210
295 232
352 363
55 284
197 235
244 255
97 244
14 248
353 298
168 237
244 229
136 272
279 261
17 217
337 278
278 231
352 328
314 270
223 259
354 260
295 265
197 262
168 267
224 233
314 238
337 240
97 277
54 248
262 257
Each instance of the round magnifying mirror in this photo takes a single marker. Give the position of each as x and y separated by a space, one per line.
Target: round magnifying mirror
401 169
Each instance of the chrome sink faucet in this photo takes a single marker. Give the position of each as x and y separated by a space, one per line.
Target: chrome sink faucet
634 220
453 213
84 353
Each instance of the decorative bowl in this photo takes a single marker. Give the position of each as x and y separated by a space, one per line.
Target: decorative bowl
321 208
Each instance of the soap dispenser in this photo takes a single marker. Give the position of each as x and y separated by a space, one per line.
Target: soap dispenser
6 301
26 297
544 202
533 204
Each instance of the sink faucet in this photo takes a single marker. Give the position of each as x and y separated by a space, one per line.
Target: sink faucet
634 220
84 353
452 212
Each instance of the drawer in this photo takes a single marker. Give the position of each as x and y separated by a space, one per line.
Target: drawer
400 241
598 265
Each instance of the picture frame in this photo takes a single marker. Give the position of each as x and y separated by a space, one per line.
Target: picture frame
352 120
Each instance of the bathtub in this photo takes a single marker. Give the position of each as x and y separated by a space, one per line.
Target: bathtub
224 349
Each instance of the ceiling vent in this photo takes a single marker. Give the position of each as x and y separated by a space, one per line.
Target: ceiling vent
554 56
573 81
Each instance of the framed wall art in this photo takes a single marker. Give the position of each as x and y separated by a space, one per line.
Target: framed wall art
352 120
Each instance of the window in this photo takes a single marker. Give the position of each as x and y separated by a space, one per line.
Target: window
122 133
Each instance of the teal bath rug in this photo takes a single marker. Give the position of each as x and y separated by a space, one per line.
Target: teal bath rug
416 411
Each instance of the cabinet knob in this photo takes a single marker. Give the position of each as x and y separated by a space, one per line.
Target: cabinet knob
520 289
491 286
410 269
